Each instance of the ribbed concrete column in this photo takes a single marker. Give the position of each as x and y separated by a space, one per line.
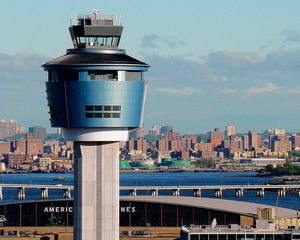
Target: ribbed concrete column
239 193
197 192
154 192
218 193
21 193
67 193
44 193
132 192
281 193
260 193
96 192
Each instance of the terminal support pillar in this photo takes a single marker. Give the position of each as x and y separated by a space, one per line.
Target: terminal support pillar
67 193
154 192
281 192
239 193
44 193
176 192
218 193
21 193
260 193
1 193
132 192
197 192
96 191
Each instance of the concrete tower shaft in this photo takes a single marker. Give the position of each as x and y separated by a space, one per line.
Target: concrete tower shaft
96 94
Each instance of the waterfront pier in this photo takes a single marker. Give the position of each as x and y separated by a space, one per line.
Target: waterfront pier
195 191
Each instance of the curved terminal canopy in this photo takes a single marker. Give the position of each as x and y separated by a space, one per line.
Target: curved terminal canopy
96 31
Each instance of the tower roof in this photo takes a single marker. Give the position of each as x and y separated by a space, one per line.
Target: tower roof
86 58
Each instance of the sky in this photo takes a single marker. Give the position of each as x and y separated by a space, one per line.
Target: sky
213 63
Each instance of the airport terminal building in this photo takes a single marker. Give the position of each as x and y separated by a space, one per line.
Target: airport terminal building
140 211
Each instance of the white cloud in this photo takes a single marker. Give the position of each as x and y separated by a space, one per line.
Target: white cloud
229 91
294 90
186 91
266 88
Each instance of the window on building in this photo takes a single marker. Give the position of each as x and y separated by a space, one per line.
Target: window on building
102 111
133 76
195 237
102 75
67 75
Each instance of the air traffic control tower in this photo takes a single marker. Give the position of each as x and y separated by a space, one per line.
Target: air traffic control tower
96 95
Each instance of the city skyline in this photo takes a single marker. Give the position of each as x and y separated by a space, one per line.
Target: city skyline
212 64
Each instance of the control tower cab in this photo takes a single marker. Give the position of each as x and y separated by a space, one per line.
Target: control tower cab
96 95
96 87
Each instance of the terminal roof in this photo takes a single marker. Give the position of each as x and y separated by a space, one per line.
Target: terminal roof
238 207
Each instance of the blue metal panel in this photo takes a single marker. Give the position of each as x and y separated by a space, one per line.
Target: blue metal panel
70 98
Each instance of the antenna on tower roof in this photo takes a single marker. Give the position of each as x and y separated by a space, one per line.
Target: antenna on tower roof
96 12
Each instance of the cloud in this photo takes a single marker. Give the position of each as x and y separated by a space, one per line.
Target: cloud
197 88
233 59
229 91
291 35
294 90
150 41
185 91
22 84
266 88
154 41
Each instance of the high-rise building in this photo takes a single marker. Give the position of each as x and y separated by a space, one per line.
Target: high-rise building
205 149
165 129
295 142
103 94
230 130
137 133
21 129
254 140
34 146
186 143
7 129
141 145
5 147
280 143
276 131
38 132
14 159
216 137
20 146
154 131
162 144
245 142
234 144
29 146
